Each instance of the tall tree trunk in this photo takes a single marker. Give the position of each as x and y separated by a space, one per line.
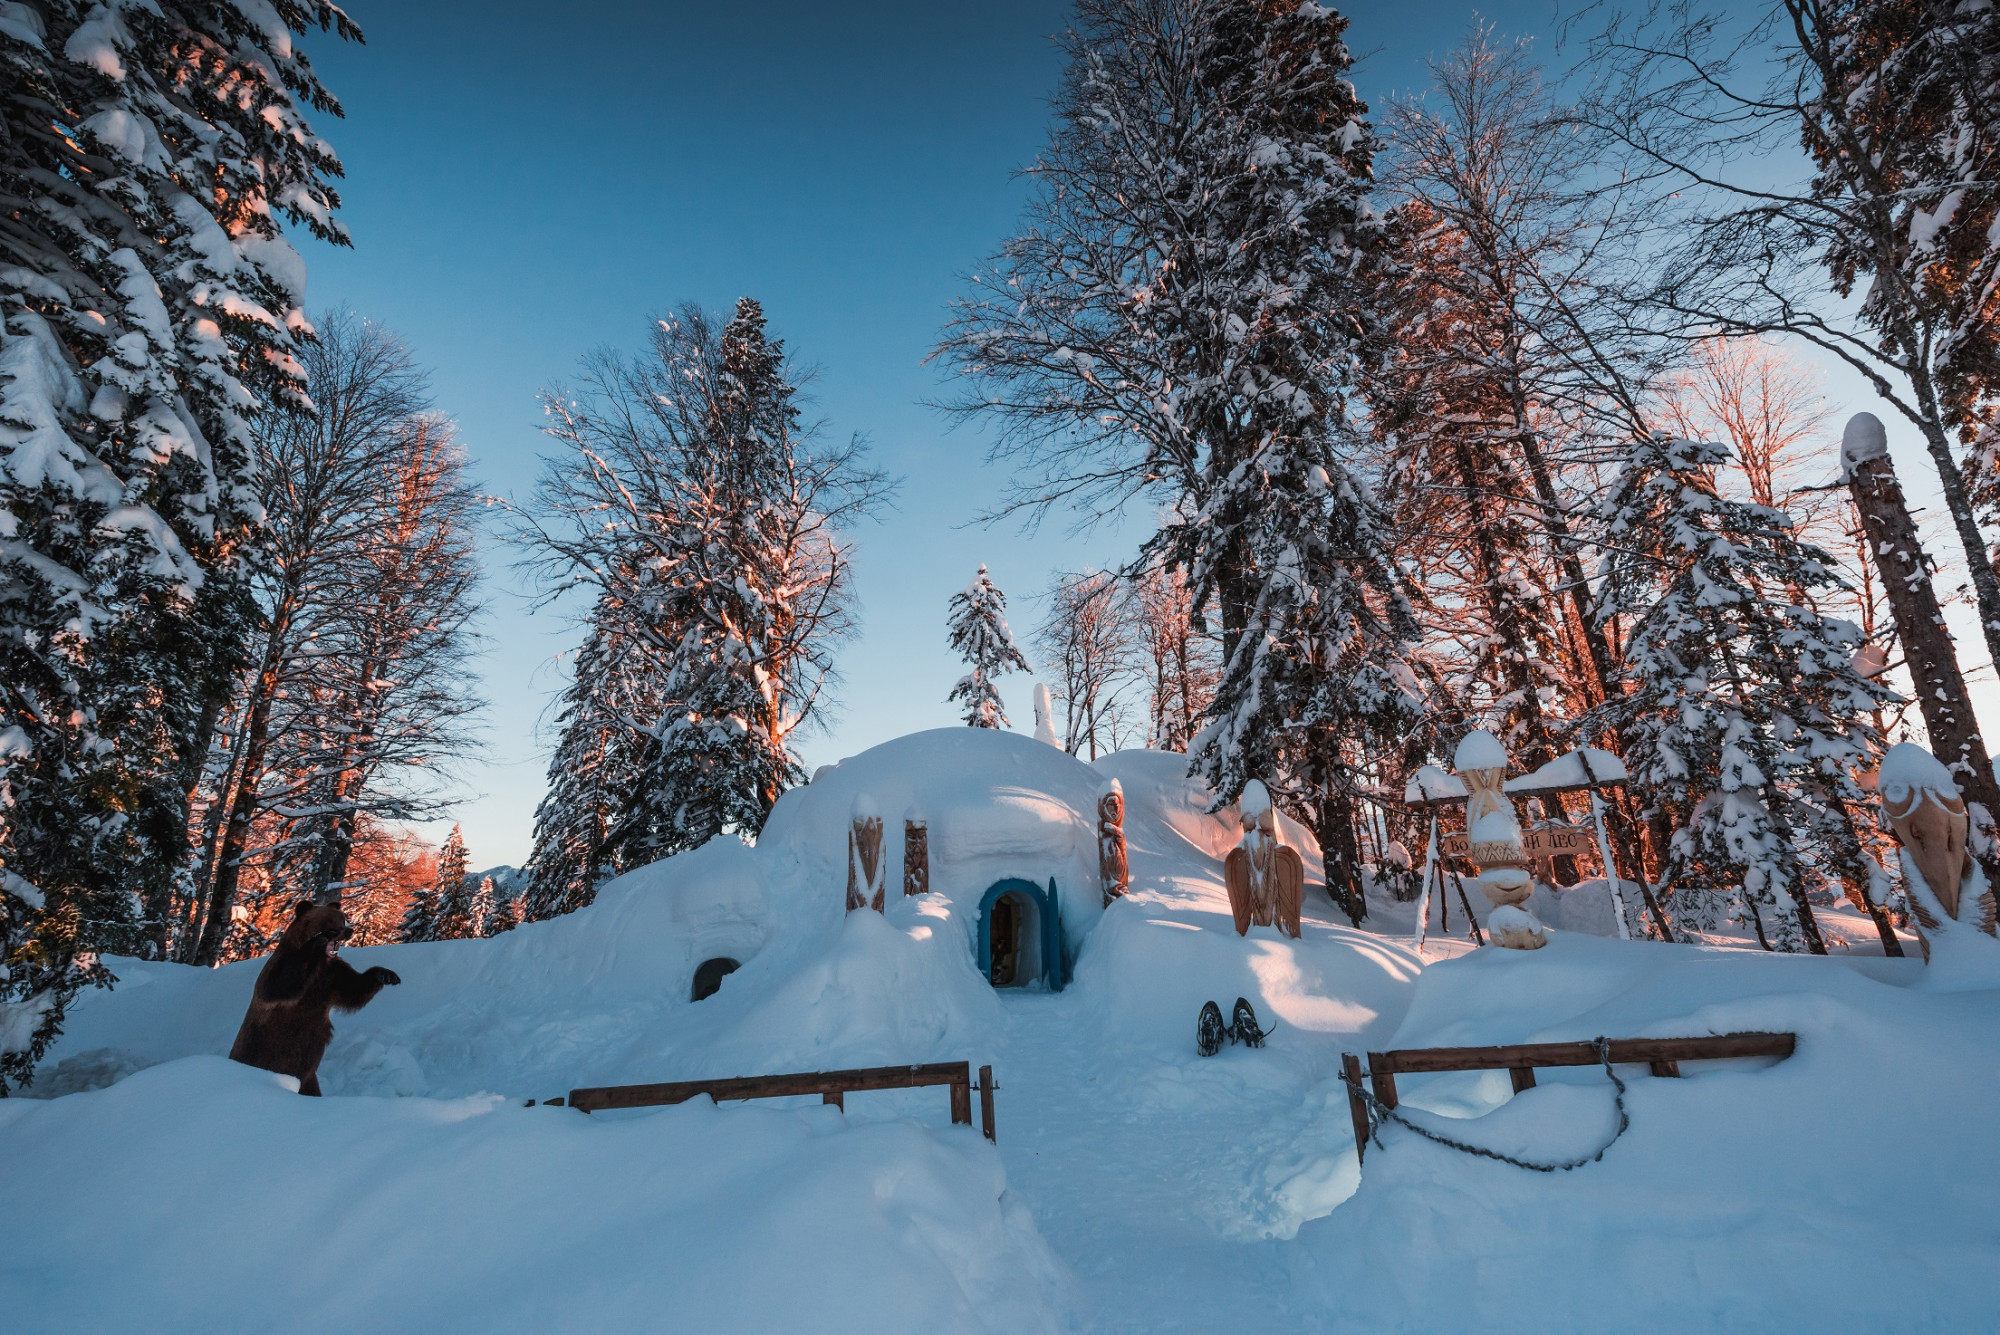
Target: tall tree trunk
1898 554
249 781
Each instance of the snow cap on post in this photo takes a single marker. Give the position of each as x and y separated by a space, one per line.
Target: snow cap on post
1864 439
1479 750
1256 799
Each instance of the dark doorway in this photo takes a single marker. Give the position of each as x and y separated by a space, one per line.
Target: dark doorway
1020 936
1006 941
709 977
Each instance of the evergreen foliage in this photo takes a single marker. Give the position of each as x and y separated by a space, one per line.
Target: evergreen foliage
708 518
976 628
606 716
1743 718
148 312
455 909
425 919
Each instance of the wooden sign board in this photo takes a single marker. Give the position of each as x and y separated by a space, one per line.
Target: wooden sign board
1555 841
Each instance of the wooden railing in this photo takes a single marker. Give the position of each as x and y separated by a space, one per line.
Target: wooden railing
832 1087
1662 1055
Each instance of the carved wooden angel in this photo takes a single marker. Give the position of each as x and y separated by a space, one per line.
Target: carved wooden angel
1112 869
1265 875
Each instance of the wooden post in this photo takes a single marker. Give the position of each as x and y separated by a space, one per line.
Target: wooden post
834 1098
1522 1076
986 1102
1424 895
1604 849
1381 1074
1891 539
1464 902
961 1099
916 856
1357 1107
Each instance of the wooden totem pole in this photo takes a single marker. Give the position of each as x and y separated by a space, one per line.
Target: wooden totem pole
1265 875
1493 836
1112 870
916 854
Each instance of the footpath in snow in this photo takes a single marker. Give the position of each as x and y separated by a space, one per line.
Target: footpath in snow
1134 1186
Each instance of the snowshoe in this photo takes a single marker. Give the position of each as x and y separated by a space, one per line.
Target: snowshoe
1208 1032
1243 1027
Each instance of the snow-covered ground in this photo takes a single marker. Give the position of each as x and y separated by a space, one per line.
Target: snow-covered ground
1135 1186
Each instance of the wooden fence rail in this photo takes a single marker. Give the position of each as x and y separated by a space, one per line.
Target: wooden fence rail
832 1087
1662 1056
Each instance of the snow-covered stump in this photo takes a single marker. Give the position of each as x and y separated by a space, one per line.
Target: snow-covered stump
1948 891
1113 871
916 854
864 857
1493 838
1266 876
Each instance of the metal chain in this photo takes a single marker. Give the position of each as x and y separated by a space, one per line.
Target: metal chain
1378 1113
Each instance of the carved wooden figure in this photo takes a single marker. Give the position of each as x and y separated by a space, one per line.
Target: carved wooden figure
1112 868
1266 876
1924 806
1495 843
864 858
916 856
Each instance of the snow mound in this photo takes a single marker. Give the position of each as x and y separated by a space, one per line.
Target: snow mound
471 1214
1736 1184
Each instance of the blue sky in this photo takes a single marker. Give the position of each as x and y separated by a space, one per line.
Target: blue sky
527 183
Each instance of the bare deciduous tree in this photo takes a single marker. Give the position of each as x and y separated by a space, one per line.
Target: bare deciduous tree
1085 643
1179 660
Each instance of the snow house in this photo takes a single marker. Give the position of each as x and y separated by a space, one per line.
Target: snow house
1006 843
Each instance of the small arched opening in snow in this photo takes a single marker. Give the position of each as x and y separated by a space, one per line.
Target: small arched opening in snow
1020 935
709 976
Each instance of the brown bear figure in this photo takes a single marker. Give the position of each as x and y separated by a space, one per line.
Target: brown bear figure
288 1024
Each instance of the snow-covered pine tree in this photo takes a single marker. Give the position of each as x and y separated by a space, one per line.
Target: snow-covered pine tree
709 519
976 628
1186 272
148 306
454 894
605 717
425 919
502 913
420 918
1743 717
483 904
1317 682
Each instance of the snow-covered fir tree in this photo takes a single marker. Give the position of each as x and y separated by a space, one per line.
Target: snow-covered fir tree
1317 681
459 907
606 716
424 920
148 307
976 628
503 914
708 517
1743 717
1186 275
